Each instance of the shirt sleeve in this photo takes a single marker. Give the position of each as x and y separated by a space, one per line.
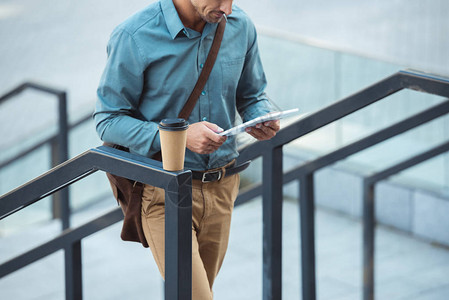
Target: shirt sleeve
116 114
252 101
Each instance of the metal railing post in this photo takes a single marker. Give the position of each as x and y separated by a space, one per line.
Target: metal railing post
59 154
63 155
72 254
178 238
73 271
368 240
272 224
59 146
178 234
369 217
307 224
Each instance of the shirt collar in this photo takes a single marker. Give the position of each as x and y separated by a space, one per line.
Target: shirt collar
171 17
175 25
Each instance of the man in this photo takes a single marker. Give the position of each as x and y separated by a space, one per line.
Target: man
154 60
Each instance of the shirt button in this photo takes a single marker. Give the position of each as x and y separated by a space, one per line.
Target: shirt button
204 119
201 66
203 93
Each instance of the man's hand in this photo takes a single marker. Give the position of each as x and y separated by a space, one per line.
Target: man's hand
264 131
202 137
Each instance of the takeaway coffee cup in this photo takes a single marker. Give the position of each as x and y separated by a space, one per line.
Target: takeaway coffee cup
173 134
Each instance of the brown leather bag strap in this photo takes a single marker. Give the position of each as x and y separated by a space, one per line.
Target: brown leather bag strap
202 79
207 68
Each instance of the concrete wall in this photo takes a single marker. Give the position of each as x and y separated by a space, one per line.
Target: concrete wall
416 211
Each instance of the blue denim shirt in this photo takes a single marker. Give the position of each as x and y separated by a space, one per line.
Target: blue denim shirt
153 64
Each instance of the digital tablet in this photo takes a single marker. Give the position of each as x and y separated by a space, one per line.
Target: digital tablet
277 115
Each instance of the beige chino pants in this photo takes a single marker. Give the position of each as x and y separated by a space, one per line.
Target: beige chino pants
213 203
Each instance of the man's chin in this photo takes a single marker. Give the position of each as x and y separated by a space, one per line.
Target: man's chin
215 18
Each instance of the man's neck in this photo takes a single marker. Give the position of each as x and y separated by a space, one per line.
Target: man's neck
188 15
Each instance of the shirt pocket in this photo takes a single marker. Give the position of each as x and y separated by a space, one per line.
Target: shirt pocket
231 71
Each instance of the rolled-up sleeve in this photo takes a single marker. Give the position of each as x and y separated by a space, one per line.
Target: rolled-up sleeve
252 101
116 115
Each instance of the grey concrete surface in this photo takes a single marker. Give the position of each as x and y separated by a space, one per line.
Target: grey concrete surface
411 33
62 43
406 268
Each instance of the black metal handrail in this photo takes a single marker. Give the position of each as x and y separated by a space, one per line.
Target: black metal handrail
69 236
271 187
369 183
61 206
178 215
357 146
273 178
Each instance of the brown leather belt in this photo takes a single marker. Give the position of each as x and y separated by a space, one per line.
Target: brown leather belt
215 175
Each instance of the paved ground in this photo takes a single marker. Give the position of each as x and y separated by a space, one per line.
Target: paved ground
62 43
406 268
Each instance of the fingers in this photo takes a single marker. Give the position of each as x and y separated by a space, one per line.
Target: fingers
275 125
264 131
213 142
214 127
212 133
257 133
203 139
209 146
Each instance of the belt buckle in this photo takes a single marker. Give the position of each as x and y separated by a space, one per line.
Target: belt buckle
204 180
